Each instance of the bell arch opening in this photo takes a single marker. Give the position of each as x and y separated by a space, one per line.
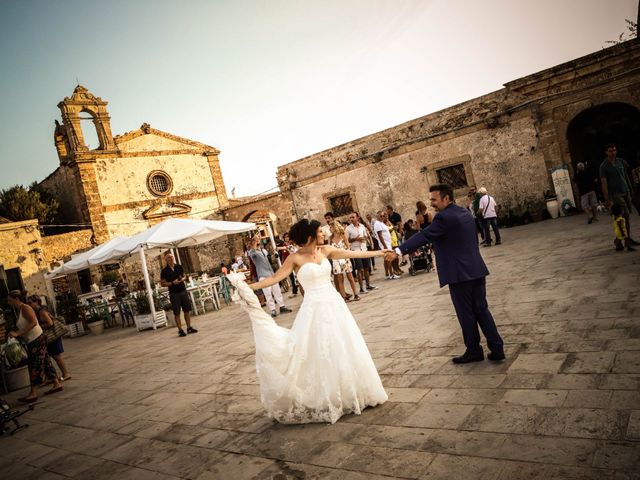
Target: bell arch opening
89 130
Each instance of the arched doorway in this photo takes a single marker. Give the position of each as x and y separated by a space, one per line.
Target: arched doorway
592 129
261 218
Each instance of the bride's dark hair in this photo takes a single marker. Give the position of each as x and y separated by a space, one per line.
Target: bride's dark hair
301 231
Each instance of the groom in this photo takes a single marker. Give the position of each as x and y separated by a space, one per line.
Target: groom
453 234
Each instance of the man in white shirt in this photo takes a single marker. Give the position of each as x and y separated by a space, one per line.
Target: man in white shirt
357 236
383 235
487 206
326 229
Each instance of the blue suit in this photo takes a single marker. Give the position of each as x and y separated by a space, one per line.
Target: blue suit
460 265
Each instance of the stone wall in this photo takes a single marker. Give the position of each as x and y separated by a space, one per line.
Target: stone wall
62 246
279 204
402 179
507 141
65 184
21 247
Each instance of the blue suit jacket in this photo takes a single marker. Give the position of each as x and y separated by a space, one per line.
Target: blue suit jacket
455 242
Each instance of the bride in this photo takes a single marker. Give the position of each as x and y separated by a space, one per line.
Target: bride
320 369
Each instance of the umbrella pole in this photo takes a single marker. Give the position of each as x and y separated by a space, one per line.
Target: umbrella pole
147 284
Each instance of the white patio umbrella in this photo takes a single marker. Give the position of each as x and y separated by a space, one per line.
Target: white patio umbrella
171 233
85 259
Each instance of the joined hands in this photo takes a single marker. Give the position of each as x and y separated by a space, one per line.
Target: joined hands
390 255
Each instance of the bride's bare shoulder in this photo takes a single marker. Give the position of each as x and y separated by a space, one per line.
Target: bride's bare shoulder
326 250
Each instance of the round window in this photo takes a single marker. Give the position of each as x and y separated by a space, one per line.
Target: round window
159 183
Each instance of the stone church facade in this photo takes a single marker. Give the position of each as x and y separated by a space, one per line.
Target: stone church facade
507 141
131 181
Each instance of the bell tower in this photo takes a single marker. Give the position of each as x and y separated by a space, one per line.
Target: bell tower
78 161
69 138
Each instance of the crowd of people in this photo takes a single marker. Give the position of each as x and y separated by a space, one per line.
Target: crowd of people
382 230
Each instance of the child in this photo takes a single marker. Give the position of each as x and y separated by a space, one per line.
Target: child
620 227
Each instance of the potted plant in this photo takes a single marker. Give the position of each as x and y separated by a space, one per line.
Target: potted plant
95 323
69 310
536 209
552 204
13 358
143 318
168 311
109 277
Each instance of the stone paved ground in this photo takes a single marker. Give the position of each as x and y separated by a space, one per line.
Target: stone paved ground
566 403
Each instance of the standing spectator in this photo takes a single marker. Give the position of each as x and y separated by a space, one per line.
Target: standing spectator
173 276
286 249
395 241
586 183
368 222
342 267
273 294
357 237
55 349
384 239
395 218
40 367
635 184
121 291
223 269
329 217
423 217
620 228
487 206
474 200
616 186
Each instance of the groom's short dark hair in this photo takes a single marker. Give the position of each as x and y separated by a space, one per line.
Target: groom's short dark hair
444 189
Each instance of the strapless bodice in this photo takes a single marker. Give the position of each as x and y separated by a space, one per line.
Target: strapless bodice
315 276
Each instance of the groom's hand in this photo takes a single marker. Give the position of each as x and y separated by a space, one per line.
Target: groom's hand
390 256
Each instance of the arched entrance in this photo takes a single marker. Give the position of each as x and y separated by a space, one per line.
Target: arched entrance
261 218
592 129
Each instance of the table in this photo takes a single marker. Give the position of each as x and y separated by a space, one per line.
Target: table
105 294
202 292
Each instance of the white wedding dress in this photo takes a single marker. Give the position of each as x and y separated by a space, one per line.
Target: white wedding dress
321 368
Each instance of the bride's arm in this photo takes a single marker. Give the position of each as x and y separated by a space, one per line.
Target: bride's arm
337 253
282 273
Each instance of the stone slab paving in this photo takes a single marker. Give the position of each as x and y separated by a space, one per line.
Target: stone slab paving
565 404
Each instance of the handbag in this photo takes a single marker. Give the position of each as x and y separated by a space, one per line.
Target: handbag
54 332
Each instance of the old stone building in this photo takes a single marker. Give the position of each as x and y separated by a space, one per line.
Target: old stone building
507 141
131 181
126 183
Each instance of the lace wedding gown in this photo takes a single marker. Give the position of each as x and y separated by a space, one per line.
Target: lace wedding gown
321 368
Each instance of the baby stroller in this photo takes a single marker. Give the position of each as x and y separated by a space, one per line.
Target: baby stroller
421 259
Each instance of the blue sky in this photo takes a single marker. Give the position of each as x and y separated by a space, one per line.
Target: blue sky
269 82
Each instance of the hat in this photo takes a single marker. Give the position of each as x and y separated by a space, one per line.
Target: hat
482 190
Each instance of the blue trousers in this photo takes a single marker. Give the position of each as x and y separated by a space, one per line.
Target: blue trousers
470 301
493 223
